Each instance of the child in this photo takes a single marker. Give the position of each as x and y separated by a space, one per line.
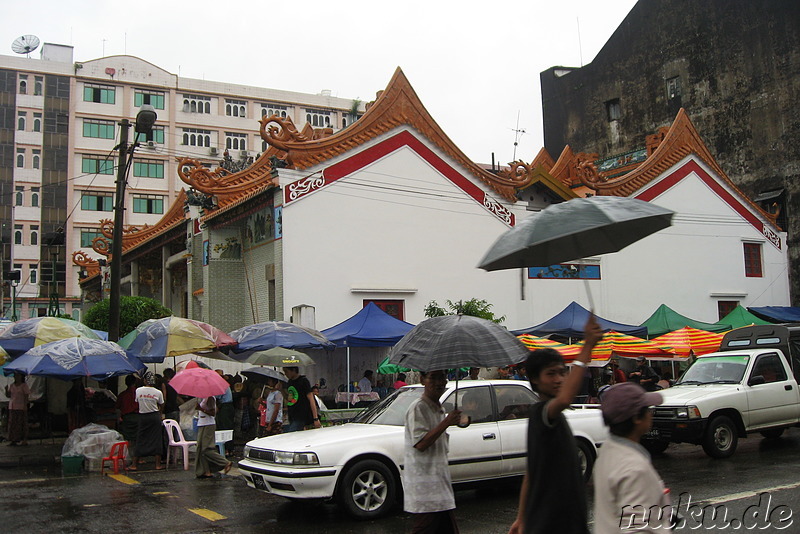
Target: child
629 495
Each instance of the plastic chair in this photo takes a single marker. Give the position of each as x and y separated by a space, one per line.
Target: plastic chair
116 456
176 440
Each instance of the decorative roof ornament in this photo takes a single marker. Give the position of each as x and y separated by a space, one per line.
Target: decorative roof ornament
89 267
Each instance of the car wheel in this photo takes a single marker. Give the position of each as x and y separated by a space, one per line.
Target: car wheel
721 437
772 433
585 459
367 490
655 446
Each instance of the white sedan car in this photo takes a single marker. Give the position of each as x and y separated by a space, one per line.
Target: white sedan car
359 463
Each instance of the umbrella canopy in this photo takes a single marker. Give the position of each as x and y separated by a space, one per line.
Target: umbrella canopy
28 333
199 382
575 229
777 314
665 320
256 373
190 364
76 357
570 321
386 368
173 336
280 357
370 327
271 334
691 340
453 341
739 317
536 343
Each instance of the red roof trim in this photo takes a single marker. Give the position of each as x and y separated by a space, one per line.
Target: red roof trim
297 190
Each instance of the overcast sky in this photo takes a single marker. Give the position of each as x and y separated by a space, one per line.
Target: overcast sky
474 64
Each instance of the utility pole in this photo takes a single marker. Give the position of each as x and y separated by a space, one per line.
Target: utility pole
116 243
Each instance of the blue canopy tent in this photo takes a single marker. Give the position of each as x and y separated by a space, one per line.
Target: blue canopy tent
370 327
571 320
777 314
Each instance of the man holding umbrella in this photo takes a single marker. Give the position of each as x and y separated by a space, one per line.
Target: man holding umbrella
553 469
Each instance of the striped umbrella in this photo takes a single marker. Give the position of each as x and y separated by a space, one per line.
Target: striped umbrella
23 335
690 340
174 336
601 352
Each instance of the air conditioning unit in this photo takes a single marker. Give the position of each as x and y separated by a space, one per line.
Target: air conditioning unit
213 151
151 144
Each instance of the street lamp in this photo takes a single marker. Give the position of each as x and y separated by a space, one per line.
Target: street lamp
144 125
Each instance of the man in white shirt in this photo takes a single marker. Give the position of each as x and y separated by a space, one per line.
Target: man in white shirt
365 384
148 437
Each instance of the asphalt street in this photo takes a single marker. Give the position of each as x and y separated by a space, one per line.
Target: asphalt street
757 485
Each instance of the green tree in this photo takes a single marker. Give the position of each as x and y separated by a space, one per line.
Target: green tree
474 307
132 311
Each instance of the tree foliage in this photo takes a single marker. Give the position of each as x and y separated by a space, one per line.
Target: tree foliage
474 307
132 311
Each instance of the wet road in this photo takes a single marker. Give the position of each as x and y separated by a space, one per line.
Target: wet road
174 501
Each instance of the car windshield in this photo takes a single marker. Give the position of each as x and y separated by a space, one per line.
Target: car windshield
391 410
716 370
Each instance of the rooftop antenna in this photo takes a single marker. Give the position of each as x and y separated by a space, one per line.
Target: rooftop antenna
25 44
518 133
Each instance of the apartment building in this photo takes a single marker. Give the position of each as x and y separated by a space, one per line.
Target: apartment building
59 131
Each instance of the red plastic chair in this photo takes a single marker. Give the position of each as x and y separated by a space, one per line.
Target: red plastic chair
116 456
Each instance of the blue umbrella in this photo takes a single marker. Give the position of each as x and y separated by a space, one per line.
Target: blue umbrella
76 357
28 333
264 336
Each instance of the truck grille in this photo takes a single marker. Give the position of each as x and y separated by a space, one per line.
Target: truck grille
664 413
264 456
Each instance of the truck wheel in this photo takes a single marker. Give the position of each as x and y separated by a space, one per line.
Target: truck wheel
367 490
655 446
772 433
721 437
585 459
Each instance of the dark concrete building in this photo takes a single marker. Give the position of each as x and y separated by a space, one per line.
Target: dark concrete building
733 65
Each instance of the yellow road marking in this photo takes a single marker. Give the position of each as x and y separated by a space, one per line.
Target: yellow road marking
160 493
124 479
91 505
207 514
24 481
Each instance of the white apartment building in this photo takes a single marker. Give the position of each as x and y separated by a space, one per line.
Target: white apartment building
58 136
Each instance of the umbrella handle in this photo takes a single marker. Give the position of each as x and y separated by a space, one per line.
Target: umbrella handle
589 294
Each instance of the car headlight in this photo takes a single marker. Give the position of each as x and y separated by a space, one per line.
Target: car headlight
247 451
296 458
687 412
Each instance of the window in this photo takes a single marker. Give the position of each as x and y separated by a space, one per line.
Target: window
724 307
37 122
148 169
268 110
476 403
148 204
770 367
23 84
35 197
513 402
344 122
93 165
87 236
156 135
194 137
34 234
17 234
21 116
235 141
98 128
97 202
103 94
395 308
153 98
38 86
37 156
235 108
19 195
752 260
33 273
320 118
196 104
613 110
20 157
673 87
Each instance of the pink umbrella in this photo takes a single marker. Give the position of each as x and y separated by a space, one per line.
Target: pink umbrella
199 382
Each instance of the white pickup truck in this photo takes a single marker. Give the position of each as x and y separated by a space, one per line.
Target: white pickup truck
749 386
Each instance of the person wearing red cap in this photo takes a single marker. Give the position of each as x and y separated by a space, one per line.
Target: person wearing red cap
629 496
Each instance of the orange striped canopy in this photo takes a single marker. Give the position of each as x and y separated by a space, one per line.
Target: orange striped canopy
690 340
612 343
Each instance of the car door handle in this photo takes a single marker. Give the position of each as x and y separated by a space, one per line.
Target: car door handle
788 387
489 436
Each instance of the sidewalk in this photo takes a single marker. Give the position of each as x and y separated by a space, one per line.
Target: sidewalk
45 452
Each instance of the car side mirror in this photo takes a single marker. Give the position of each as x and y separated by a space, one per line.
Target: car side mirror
756 380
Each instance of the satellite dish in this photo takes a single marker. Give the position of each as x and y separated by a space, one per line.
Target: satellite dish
25 44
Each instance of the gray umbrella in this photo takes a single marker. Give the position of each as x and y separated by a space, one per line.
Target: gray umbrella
452 341
575 229
280 357
255 373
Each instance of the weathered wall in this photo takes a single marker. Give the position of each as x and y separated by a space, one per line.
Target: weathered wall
738 65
